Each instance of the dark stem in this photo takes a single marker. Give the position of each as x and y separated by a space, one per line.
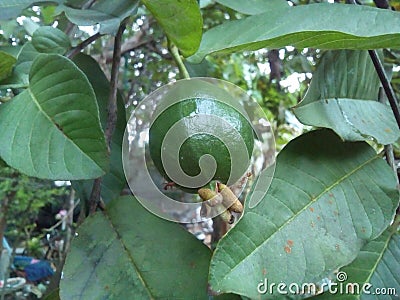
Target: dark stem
112 99
386 85
382 4
70 28
94 200
382 75
74 51
95 195
388 149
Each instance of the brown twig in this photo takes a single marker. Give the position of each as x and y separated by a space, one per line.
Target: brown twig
386 85
95 195
390 95
74 51
388 149
94 200
112 99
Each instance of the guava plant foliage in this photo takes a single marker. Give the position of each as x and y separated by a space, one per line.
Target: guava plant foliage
331 201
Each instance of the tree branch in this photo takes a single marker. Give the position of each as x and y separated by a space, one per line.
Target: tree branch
95 195
74 51
388 149
386 85
383 78
112 99
129 44
112 111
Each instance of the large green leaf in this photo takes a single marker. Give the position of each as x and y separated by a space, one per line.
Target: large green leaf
47 39
109 14
254 7
325 26
326 199
114 181
52 129
7 62
129 253
11 9
343 96
181 21
377 266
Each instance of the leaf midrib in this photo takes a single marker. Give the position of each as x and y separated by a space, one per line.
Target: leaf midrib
57 129
334 99
288 221
119 238
375 266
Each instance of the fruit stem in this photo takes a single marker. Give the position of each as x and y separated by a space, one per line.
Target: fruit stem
178 59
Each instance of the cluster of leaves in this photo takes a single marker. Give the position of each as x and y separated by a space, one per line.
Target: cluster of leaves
330 186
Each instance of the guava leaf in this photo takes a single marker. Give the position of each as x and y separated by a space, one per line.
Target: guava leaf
11 9
343 96
114 181
52 129
129 253
7 61
367 28
376 267
314 219
181 21
108 14
47 39
254 7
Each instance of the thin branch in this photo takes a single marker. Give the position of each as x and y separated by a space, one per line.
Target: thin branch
177 57
74 51
386 85
112 99
67 216
383 78
94 200
95 195
388 149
